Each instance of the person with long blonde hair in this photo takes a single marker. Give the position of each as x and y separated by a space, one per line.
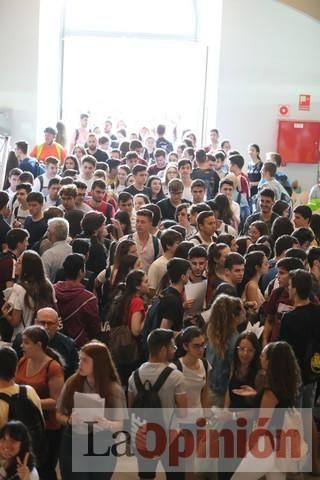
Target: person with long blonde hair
226 314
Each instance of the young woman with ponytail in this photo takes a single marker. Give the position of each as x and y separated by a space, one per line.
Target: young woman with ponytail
41 367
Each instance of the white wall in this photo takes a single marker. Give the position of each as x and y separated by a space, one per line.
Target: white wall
269 55
19 41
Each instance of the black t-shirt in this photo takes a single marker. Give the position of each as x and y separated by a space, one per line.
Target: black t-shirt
167 209
4 229
300 327
171 308
165 144
36 229
99 155
134 191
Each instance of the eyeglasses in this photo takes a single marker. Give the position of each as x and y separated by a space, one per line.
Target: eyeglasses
245 350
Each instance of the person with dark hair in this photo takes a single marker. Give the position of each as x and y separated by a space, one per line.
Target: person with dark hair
87 168
8 367
302 216
140 177
254 168
245 370
53 199
256 230
35 223
268 172
217 253
314 265
42 368
32 291
198 259
94 229
183 219
198 191
304 236
97 203
97 374
191 343
168 205
26 163
296 252
171 308
169 241
227 187
77 306
80 134
280 175
4 211
160 157
155 185
13 179
184 170
234 269
282 381
49 148
282 244
148 246
281 226
183 249
162 142
203 172
256 265
17 242
42 181
279 301
94 151
214 141
207 227
243 197
265 214
155 219
20 207
281 208
16 452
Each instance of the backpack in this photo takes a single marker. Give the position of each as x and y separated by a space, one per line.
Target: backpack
310 368
152 320
23 409
40 178
146 406
117 335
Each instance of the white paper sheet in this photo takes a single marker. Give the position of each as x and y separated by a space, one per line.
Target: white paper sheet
89 406
196 292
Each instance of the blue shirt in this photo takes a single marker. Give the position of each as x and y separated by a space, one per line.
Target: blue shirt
31 165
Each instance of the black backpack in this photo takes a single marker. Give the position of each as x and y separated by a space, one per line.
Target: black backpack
22 408
146 406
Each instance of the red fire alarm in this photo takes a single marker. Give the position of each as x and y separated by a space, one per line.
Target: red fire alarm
283 110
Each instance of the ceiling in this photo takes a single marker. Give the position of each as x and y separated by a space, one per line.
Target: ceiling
309 7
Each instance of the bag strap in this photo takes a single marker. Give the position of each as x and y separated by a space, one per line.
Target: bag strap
206 365
40 178
23 391
196 237
179 365
6 398
162 378
137 381
155 242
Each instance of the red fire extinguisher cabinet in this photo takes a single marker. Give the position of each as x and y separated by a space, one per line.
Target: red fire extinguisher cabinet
298 141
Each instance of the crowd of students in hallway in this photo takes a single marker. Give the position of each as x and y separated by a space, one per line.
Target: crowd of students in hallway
110 230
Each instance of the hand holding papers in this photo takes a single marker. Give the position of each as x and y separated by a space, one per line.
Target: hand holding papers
197 293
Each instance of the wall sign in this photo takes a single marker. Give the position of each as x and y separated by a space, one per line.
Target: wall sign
304 102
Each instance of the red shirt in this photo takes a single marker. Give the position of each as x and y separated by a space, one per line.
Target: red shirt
136 305
104 207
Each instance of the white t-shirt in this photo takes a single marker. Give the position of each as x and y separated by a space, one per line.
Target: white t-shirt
145 251
37 184
194 382
156 272
15 296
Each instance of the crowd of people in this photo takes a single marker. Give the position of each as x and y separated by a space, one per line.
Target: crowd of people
104 240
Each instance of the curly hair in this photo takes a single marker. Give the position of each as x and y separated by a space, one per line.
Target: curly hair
222 323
